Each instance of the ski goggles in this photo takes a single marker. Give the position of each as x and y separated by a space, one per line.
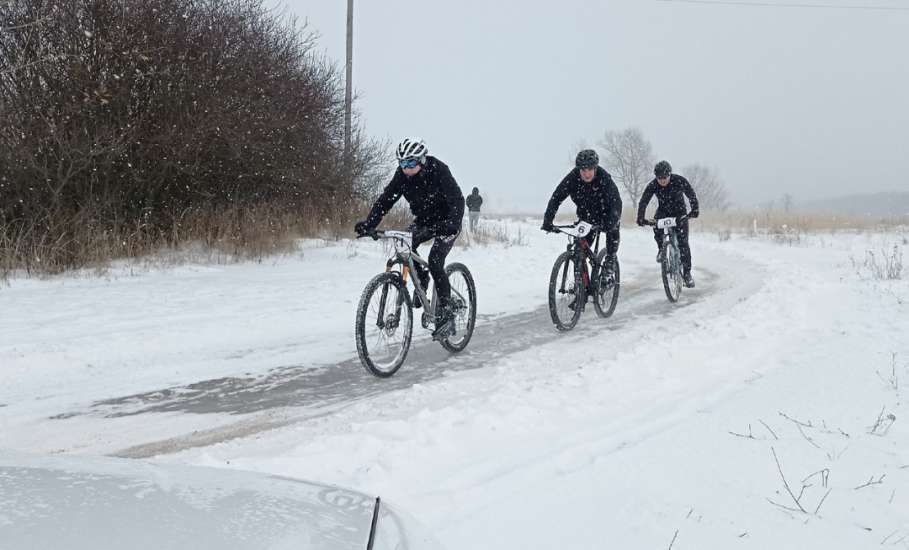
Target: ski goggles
408 163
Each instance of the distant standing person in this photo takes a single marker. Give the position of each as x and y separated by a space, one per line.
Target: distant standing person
474 202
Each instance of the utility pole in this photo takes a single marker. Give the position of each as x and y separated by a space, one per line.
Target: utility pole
348 92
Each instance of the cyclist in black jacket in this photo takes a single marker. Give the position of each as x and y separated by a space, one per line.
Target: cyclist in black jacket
437 205
671 190
597 200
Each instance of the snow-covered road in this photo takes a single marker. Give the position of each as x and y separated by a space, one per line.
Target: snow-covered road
660 422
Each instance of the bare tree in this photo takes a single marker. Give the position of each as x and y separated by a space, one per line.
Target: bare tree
628 156
708 185
579 145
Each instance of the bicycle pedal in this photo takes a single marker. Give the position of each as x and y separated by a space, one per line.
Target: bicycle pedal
443 332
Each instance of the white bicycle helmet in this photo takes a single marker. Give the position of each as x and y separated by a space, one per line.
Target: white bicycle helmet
412 148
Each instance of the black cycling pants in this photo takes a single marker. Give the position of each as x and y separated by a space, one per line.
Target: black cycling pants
437 254
684 249
612 241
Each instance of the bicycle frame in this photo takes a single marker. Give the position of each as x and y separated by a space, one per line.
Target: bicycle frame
670 236
580 248
408 260
671 270
670 229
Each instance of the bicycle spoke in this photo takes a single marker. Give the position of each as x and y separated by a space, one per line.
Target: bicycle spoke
459 296
564 308
384 326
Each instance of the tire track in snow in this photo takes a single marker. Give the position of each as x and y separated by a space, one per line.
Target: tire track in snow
296 393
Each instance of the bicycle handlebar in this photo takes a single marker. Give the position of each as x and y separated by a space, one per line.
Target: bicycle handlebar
377 234
560 228
679 219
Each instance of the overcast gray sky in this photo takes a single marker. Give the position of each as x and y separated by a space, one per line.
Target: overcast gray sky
813 102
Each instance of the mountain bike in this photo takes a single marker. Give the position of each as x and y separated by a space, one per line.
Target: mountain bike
573 280
384 325
670 257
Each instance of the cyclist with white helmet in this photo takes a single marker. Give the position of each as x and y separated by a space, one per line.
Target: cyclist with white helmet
437 205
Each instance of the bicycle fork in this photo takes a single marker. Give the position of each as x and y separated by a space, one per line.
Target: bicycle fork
399 301
580 271
582 260
670 251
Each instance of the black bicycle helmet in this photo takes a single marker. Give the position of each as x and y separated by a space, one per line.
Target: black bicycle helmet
587 158
662 169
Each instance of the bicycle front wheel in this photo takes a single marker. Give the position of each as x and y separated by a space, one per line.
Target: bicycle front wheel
606 294
463 304
566 292
384 325
671 272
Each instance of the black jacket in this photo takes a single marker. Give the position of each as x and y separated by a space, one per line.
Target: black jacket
435 199
670 199
474 201
597 202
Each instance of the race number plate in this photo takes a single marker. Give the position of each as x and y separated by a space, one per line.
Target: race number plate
663 223
582 229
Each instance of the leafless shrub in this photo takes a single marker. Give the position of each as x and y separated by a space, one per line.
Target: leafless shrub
883 423
871 481
823 475
892 379
785 234
128 126
749 435
762 222
492 231
769 429
884 266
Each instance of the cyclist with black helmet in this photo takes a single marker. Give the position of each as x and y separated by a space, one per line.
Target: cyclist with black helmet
597 200
437 205
670 190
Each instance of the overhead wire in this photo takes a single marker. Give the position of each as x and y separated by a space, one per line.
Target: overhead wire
788 5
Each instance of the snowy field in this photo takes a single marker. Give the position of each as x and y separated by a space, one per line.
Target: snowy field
766 410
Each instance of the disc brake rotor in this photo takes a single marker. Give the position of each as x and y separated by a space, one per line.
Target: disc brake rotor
391 324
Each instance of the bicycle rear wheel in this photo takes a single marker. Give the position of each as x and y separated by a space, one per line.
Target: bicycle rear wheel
671 271
384 325
463 304
566 292
606 293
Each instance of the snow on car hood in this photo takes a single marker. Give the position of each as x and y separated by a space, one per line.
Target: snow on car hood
96 503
